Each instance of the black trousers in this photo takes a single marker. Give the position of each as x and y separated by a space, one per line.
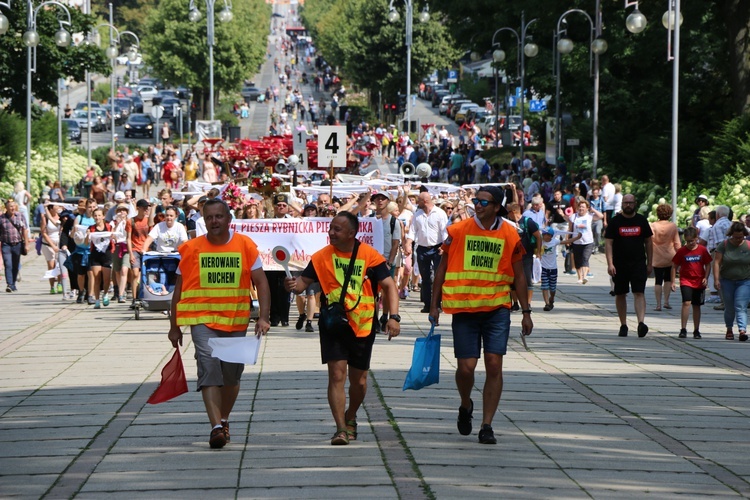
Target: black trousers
279 296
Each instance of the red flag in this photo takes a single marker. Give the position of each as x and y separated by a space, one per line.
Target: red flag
173 381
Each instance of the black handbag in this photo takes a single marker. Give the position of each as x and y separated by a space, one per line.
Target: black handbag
333 318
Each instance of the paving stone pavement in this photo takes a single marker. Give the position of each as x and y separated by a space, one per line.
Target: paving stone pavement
584 414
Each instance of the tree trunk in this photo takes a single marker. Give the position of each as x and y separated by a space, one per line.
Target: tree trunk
737 18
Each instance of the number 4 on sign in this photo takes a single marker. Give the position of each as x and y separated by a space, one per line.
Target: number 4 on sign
332 146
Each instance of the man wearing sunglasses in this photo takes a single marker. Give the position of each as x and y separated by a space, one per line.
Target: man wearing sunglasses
482 257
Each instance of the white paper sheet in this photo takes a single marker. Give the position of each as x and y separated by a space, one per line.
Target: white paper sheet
236 349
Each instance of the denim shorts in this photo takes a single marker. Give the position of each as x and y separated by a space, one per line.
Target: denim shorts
473 330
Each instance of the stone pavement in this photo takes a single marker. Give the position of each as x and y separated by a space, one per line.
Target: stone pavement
585 414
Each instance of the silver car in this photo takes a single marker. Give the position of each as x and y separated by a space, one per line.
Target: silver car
84 122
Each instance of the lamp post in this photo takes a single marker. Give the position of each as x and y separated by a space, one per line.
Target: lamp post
636 23
31 40
225 16
597 47
522 51
393 16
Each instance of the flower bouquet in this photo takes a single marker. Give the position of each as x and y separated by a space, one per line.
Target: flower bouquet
264 184
233 196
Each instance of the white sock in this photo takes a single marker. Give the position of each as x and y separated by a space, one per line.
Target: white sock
218 426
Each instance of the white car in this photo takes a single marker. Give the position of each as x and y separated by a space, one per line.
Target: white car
446 100
147 92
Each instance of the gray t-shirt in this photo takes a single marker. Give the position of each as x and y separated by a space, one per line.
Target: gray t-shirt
387 236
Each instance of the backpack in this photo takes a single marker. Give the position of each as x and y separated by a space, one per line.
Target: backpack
528 240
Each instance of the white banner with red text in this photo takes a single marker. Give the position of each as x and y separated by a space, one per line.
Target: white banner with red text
302 237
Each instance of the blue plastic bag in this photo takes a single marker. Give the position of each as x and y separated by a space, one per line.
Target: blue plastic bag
425 362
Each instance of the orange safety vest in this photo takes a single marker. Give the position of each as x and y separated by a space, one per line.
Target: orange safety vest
216 282
330 266
480 267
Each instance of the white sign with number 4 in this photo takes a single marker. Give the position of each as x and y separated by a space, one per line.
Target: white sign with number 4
332 146
300 148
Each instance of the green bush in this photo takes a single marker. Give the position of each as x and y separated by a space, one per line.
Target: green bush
44 166
102 92
730 151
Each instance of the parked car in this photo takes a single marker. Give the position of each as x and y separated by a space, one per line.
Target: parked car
460 115
119 119
250 93
84 105
81 116
105 121
443 107
74 131
437 97
137 103
139 124
147 92
163 94
151 82
454 105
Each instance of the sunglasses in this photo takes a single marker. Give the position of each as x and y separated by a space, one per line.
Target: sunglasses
281 205
477 201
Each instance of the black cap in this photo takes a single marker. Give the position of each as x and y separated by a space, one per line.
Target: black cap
310 206
142 203
281 198
203 199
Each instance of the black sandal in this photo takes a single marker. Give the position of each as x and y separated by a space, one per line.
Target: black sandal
340 438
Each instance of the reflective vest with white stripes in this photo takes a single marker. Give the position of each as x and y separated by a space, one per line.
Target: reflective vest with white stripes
480 270
216 283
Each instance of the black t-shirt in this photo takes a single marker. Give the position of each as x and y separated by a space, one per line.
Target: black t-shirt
628 235
552 207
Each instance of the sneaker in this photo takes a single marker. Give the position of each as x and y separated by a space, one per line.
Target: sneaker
697 334
217 439
487 435
105 301
683 333
59 288
546 307
97 304
425 309
464 419
642 329
623 331
284 323
743 336
52 291
8 289
713 299
121 299
590 275
91 300
309 327
79 300
300 321
551 304
580 282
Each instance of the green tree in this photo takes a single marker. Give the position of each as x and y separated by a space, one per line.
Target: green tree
52 62
176 49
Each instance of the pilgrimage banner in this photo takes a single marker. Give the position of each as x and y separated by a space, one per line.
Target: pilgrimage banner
302 237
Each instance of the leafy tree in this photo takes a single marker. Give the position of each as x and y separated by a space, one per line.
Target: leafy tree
176 48
52 62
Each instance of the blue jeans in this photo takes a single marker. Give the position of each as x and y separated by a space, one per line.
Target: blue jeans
12 263
428 259
736 297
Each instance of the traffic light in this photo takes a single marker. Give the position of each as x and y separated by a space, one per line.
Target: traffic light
401 103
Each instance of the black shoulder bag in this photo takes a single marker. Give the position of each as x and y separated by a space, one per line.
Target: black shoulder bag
333 318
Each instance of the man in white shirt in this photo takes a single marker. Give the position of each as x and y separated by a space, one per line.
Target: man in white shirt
429 225
536 212
608 193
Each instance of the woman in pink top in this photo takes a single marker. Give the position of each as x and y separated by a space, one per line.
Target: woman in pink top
666 242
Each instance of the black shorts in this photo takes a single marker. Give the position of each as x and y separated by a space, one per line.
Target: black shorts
102 259
662 274
695 296
357 351
81 263
630 278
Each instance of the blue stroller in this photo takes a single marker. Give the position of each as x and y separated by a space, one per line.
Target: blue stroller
158 277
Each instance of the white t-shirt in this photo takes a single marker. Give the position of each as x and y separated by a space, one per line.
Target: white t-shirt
549 253
703 227
200 227
582 226
168 239
608 193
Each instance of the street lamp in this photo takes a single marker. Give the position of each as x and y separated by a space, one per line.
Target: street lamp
636 23
393 17
597 47
523 50
225 16
31 39
111 52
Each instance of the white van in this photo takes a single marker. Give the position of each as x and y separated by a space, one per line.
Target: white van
446 100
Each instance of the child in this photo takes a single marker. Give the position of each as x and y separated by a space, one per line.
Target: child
693 261
154 286
549 265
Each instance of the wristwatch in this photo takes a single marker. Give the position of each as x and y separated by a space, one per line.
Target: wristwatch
396 317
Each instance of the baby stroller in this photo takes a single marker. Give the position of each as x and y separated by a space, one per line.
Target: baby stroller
158 277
